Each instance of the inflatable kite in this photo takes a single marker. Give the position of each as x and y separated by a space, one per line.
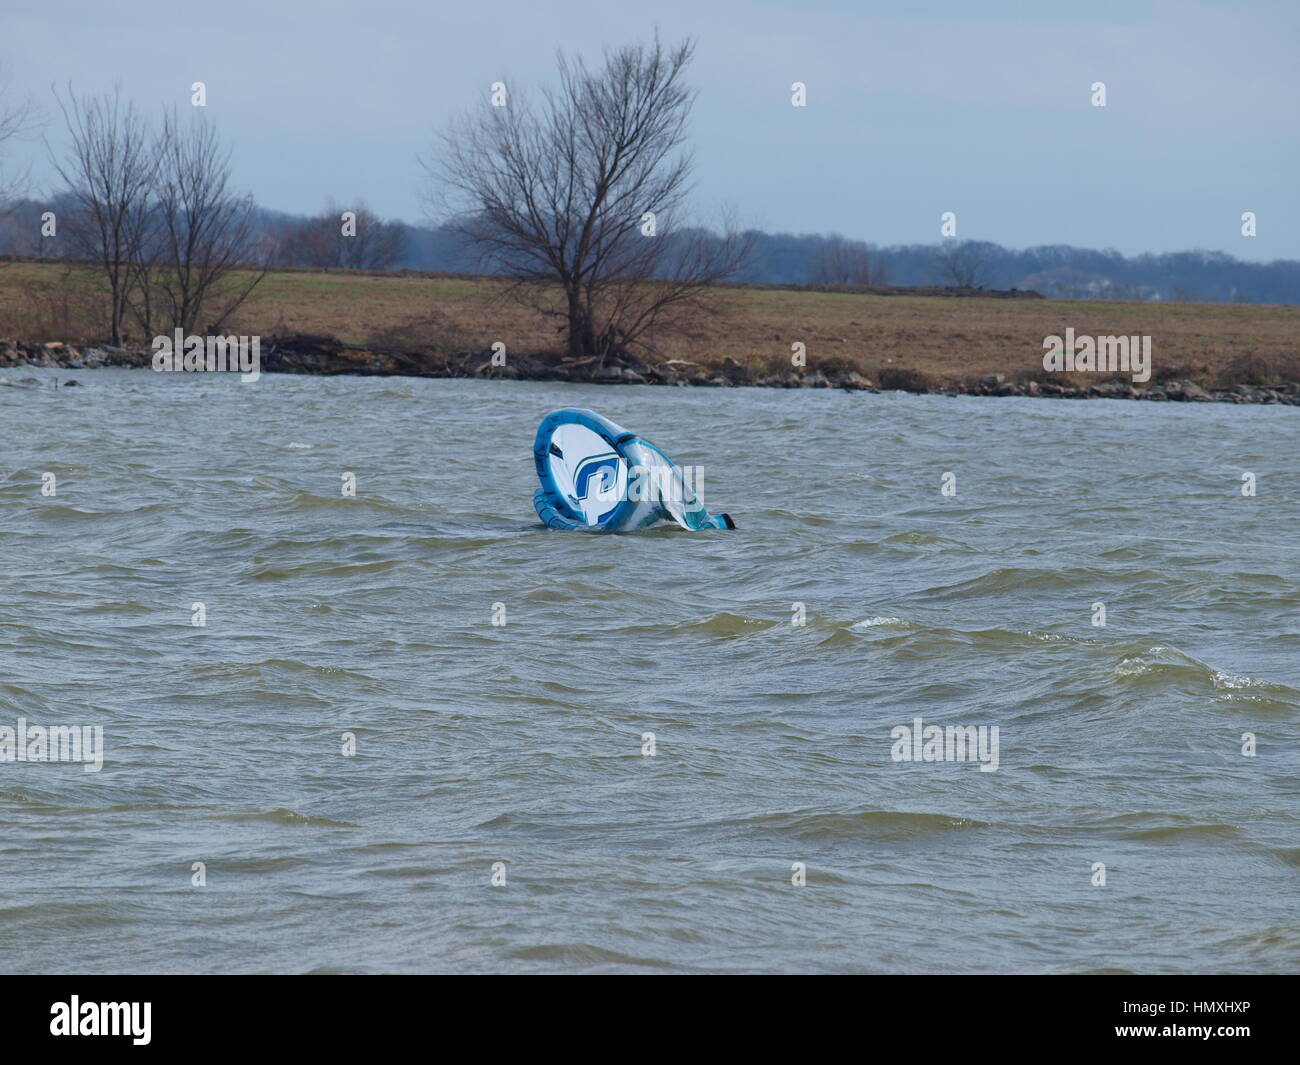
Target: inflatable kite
598 477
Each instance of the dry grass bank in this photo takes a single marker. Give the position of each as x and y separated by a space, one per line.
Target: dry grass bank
937 339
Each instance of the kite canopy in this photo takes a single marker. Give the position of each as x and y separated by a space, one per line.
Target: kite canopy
599 477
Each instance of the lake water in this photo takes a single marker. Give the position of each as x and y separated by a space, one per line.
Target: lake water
522 743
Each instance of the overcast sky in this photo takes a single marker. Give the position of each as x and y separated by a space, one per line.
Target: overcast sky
913 109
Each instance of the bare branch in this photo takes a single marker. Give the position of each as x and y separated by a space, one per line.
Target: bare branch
586 193
108 172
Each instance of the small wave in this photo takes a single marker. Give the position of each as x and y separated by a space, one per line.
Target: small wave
306 502
1158 664
284 816
915 538
326 569
1003 581
1201 831
723 625
795 519
582 954
273 666
875 824
1234 681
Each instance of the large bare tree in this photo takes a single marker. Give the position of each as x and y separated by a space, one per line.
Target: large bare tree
582 198
109 170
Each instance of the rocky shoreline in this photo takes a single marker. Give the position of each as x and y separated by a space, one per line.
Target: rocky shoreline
327 356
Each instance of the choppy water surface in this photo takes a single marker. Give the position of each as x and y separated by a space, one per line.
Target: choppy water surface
522 744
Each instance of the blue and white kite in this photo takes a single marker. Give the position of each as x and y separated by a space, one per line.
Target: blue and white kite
599 477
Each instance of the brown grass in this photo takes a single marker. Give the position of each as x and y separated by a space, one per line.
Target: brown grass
911 341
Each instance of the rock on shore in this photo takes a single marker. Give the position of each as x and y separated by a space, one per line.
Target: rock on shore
304 354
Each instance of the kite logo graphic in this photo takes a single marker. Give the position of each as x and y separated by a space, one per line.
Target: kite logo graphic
596 481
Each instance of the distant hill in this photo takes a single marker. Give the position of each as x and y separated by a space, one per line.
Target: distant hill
1055 270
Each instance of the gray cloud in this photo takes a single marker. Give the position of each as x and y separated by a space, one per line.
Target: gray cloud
979 109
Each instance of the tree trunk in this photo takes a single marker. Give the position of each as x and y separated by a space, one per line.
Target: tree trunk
582 336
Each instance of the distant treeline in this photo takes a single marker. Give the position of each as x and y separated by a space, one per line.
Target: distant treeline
1056 270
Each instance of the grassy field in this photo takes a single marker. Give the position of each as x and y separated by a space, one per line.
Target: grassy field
945 338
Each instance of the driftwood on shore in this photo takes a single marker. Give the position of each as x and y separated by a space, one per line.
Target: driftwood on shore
305 354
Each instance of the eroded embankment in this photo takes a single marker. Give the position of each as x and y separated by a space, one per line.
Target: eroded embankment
323 355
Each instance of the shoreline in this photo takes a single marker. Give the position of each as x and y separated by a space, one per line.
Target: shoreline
327 356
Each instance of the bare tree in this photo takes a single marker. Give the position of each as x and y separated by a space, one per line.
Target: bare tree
308 242
963 265
846 262
369 242
199 233
109 170
582 199
374 243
